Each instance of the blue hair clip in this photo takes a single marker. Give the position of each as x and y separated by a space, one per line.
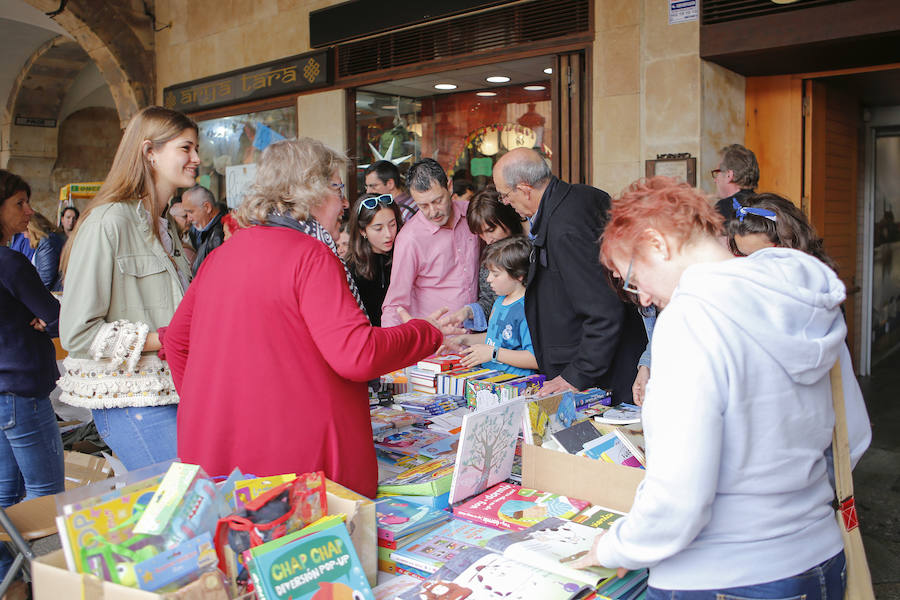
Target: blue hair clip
742 211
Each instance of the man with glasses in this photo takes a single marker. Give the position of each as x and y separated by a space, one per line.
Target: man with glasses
736 178
383 177
583 334
435 262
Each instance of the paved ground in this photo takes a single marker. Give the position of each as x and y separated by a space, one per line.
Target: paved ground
877 479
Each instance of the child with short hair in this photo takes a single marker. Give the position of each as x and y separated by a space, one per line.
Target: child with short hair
506 346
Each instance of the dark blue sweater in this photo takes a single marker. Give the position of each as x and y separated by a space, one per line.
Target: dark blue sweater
27 357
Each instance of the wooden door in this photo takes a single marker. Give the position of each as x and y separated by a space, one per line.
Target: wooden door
830 171
571 129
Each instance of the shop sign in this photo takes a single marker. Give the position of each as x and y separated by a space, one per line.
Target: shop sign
682 11
285 76
35 122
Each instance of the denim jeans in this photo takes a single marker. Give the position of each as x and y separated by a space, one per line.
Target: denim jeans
31 454
139 435
825 581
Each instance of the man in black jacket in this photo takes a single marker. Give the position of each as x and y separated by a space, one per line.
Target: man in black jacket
207 232
583 335
736 177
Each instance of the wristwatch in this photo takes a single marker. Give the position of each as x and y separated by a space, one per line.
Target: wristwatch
495 352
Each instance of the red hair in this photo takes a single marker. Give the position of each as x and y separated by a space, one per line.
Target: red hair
674 209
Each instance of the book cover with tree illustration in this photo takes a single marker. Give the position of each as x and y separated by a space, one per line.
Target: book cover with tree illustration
487 445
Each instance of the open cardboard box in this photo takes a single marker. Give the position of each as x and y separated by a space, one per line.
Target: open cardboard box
608 485
53 581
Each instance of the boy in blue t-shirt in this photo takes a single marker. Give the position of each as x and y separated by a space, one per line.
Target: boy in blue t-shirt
506 345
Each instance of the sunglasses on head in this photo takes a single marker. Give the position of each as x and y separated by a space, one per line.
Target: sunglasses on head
372 203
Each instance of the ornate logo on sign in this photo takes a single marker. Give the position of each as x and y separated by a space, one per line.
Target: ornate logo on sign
311 70
170 101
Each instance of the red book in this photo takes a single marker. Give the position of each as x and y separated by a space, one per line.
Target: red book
508 506
438 364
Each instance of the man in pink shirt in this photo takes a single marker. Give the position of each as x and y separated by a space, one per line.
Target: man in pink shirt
435 262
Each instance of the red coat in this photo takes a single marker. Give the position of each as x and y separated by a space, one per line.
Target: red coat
270 354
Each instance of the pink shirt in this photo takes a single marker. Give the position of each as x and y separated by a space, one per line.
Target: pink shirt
433 267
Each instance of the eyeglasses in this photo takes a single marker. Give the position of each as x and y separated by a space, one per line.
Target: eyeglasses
371 203
503 197
715 173
338 187
626 285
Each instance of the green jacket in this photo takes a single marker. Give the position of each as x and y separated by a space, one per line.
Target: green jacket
118 270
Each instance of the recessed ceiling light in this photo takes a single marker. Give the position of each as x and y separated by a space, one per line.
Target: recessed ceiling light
486 94
549 70
497 79
445 86
535 88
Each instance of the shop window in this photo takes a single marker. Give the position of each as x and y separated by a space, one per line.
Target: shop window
228 142
466 132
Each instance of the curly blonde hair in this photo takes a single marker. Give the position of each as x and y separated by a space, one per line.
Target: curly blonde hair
292 178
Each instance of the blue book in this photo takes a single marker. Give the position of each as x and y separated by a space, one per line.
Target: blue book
436 502
321 563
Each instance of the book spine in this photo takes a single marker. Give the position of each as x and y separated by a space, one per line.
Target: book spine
412 572
257 582
386 544
405 560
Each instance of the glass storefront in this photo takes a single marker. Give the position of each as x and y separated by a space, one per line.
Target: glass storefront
228 142
465 131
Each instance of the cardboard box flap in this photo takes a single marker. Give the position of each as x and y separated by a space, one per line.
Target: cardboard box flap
611 486
83 469
52 581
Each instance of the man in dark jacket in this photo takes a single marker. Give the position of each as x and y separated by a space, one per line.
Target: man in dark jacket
736 177
207 232
583 335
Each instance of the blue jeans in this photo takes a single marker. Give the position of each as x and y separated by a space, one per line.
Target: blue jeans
139 435
31 454
825 581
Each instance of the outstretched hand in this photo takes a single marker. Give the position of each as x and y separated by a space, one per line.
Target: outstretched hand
457 317
587 561
434 318
554 386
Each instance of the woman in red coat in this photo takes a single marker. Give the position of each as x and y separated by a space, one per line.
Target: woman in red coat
270 348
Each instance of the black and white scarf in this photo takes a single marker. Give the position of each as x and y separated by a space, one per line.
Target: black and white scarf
314 229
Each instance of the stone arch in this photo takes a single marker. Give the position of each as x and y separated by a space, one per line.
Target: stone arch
118 36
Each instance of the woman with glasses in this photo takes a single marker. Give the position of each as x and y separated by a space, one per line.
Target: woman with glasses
282 389
375 220
738 417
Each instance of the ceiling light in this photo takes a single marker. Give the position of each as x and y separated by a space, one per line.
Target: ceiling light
535 88
497 79
549 70
445 86
486 94
389 106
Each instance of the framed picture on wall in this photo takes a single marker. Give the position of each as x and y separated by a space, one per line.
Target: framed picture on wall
679 166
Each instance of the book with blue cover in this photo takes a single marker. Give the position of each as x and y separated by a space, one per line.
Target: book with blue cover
398 518
322 564
431 551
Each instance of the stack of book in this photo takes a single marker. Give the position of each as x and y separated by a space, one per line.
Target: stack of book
428 404
439 364
386 420
491 391
400 521
428 552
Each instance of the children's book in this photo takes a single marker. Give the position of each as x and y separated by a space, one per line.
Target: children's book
597 517
487 444
477 573
485 393
429 552
551 545
575 437
438 364
415 440
449 422
385 419
610 448
397 518
436 502
622 414
320 565
248 489
432 478
391 588
399 542
508 506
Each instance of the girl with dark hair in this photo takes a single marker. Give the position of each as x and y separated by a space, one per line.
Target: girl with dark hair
492 221
770 221
374 222
31 454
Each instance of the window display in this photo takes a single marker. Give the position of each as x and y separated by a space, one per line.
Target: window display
238 140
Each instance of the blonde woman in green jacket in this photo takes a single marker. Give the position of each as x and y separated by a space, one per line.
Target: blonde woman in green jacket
125 273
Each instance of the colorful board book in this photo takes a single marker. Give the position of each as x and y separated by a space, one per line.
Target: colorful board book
611 449
432 478
398 518
248 489
430 551
488 387
321 565
487 446
508 506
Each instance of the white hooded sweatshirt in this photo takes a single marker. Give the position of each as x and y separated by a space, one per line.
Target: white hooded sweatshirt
738 418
